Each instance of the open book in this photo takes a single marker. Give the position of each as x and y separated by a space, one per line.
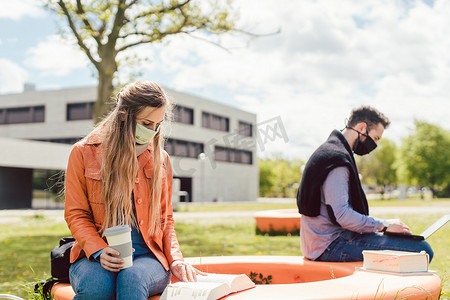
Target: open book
396 261
209 287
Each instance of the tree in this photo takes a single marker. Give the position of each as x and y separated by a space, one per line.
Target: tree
266 178
379 168
425 157
105 28
279 177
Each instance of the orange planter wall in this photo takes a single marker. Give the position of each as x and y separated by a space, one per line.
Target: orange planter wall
280 221
293 277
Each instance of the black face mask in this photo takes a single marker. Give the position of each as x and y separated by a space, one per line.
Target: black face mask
363 147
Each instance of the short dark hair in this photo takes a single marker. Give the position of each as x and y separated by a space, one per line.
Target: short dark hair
368 115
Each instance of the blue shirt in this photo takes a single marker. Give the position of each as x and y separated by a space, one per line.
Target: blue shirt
139 245
316 233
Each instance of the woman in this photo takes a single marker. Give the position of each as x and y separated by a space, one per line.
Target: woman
120 174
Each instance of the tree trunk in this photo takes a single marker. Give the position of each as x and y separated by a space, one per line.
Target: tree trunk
433 192
105 89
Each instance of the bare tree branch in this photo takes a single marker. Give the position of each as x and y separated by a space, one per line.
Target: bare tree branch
131 3
77 36
118 23
257 34
107 24
101 31
82 14
149 40
163 10
179 29
189 33
134 33
208 41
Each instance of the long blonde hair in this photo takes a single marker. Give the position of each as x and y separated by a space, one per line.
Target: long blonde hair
120 165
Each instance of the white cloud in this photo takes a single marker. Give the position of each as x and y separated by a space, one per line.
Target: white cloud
134 61
330 57
56 56
12 40
12 77
16 10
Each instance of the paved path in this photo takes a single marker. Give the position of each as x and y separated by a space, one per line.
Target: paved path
374 210
10 216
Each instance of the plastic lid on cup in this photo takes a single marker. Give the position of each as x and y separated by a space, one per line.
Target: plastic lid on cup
117 230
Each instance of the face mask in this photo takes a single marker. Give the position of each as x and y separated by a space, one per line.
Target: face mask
363 148
144 134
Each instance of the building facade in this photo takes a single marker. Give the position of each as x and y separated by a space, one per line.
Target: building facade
212 146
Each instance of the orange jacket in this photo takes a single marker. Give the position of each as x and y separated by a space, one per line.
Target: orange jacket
84 207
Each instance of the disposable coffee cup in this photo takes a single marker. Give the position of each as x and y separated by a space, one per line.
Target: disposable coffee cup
119 238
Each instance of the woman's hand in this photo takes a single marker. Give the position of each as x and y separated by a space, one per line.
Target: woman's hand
396 225
184 271
109 262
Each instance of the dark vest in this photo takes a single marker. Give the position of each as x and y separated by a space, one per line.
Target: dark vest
335 152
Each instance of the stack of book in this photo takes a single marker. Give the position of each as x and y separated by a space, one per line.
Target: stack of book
397 262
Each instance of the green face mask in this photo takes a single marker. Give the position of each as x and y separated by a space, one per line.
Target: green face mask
144 134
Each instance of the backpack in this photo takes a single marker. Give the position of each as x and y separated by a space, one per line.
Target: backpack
60 259
60 264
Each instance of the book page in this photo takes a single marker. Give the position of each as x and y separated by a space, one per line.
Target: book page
195 290
235 282
211 277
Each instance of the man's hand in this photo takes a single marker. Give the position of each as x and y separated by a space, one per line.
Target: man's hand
184 271
109 262
396 225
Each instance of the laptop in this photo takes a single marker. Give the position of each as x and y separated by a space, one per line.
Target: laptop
424 235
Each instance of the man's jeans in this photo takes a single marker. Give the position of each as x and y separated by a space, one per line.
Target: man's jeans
145 278
349 246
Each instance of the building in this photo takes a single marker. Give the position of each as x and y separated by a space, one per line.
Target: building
212 145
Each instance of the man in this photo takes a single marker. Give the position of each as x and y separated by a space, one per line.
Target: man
335 223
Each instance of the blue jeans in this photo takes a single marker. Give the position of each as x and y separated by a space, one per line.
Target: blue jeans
349 246
147 277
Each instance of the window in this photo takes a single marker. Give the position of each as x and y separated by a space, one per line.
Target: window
183 114
221 154
39 114
183 148
245 129
246 157
17 115
2 116
79 111
233 155
216 122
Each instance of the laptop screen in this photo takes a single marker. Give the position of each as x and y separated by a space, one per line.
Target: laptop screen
436 225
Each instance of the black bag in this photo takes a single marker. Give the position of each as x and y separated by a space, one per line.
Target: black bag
60 264
60 259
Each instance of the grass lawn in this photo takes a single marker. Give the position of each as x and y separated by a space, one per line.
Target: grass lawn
27 244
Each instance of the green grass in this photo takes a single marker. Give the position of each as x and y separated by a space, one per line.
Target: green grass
27 244
410 202
231 238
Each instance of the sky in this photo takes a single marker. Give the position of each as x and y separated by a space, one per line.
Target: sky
328 58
